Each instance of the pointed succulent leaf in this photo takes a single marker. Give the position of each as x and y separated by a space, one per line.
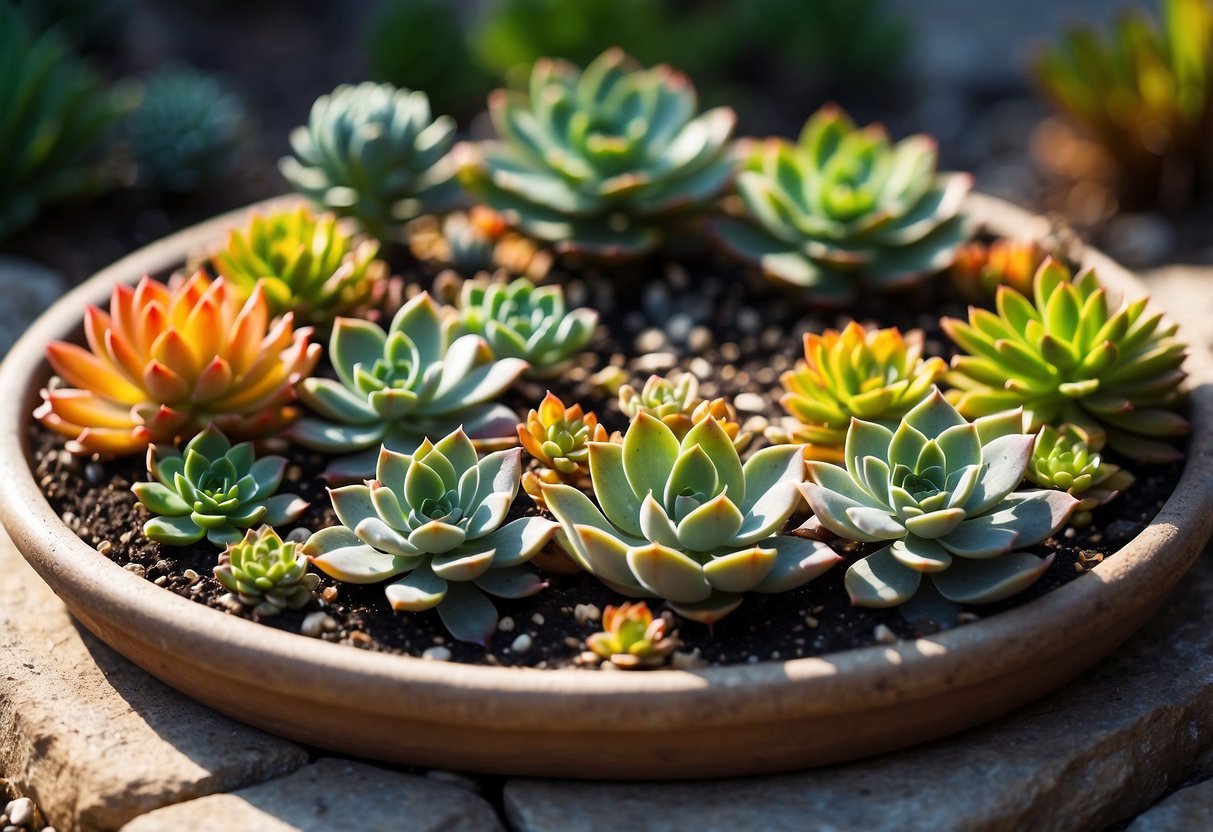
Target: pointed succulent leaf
880 580
668 573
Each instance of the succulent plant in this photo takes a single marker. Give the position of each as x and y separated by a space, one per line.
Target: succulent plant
596 162
686 521
1066 357
436 517
477 240
845 211
676 402
166 362
397 387
309 265
559 439
939 493
266 573
214 490
375 153
980 268
1062 459
184 130
872 374
632 638
53 115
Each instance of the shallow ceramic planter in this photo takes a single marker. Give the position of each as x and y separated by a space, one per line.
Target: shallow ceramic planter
571 723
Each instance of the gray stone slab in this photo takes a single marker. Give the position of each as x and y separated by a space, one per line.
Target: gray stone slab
1190 808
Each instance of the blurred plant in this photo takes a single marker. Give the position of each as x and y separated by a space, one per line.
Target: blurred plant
632 638
845 210
559 440
165 363
980 268
90 25
267 574
213 490
436 517
1062 459
477 240
676 402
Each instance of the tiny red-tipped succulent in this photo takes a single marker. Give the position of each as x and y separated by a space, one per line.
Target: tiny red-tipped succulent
558 438
632 638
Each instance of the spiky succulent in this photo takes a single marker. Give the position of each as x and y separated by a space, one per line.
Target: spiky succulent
312 266
559 439
939 494
164 363
1066 357
266 573
676 402
872 374
397 387
598 161
980 268
845 211
184 130
436 517
1062 459
213 490
632 638
686 521
375 153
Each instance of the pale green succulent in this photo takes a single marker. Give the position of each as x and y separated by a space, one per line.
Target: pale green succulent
939 491
436 518
1063 459
265 573
686 521
397 387
213 490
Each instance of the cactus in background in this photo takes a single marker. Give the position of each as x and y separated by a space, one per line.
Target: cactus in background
267 574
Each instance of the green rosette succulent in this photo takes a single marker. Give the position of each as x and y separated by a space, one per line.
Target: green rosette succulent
597 161
436 517
397 387
309 265
267 574
631 638
214 490
522 320
939 493
1067 357
1063 459
375 153
686 521
845 211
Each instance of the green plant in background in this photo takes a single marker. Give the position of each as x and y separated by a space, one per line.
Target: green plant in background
597 162
1066 357
1062 459
522 320
184 130
676 402
54 113
686 521
632 638
1142 92
844 210
436 517
213 490
265 573
91 25
375 153
939 492
397 387
312 266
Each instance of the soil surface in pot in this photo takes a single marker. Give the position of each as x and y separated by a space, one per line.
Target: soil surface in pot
703 316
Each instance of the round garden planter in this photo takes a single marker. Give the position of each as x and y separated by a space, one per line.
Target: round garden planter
745 719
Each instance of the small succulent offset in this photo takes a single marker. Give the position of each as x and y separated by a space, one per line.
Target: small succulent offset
164 363
213 490
522 320
375 153
266 573
559 439
395 388
632 638
1065 357
844 210
980 268
597 162
1062 459
436 517
676 402
872 374
686 521
312 266
939 491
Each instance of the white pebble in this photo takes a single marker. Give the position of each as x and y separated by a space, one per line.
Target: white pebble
438 653
884 635
506 625
20 811
299 535
314 624
585 613
750 402
521 644
537 618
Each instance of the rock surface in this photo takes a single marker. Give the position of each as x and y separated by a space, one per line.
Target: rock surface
327 795
1188 808
28 288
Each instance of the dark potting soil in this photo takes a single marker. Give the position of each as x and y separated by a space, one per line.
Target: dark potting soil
708 318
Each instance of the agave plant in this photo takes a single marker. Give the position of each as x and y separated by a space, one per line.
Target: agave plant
939 494
375 153
1062 459
559 439
676 402
632 638
267 574
436 517
164 363
872 374
309 265
980 268
1066 357
844 210
597 162
397 387
686 521
213 490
